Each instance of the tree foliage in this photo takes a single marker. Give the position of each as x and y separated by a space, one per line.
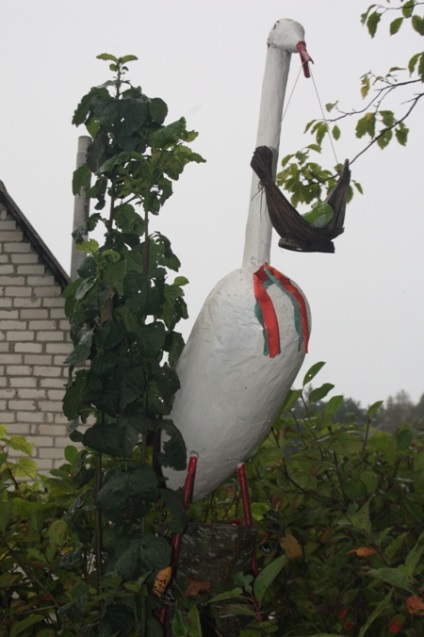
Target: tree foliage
123 311
388 102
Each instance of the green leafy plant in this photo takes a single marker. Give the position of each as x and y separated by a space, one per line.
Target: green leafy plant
339 512
123 310
36 547
389 98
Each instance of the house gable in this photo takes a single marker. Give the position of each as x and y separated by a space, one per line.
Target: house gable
34 336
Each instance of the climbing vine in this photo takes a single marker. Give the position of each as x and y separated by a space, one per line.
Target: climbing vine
123 310
379 121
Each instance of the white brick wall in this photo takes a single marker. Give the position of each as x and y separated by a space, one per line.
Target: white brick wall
34 341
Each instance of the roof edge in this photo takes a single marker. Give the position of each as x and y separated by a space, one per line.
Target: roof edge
61 276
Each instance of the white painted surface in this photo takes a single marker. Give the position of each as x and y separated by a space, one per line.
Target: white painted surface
230 391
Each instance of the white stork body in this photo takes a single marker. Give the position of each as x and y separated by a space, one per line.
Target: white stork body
230 390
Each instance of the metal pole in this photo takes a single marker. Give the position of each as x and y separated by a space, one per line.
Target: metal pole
81 206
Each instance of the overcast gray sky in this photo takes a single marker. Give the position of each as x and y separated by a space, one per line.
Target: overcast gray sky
206 60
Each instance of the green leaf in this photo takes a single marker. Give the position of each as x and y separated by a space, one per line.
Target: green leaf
181 280
5 514
169 135
175 506
154 627
418 24
221 597
174 453
365 85
73 399
83 349
384 138
107 56
376 613
336 132
19 627
80 178
393 576
267 576
85 286
360 519
320 392
179 623
57 532
148 553
84 107
413 558
334 405
408 8
123 492
372 409
387 117
354 490
413 62
111 439
26 468
174 346
401 133
128 220
312 372
114 617
395 25
19 443
390 552
358 187
127 58
90 247
372 22
290 400
404 437
132 115
366 125
158 110
193 617
344 443
152 339
330 106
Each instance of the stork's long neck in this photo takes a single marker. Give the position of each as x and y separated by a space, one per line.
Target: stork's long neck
258 229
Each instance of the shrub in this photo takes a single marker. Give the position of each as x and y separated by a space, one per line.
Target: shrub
340 511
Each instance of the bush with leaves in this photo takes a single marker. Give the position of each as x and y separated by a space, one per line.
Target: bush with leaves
36 547
340 512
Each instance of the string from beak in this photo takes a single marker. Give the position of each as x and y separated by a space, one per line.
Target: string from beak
305 57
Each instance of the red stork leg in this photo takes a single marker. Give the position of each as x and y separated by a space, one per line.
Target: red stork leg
247 511
188 494
176 540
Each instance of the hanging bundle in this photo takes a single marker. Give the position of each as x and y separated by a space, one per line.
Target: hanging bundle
295 231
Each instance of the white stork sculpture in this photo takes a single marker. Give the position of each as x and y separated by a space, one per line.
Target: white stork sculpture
230 389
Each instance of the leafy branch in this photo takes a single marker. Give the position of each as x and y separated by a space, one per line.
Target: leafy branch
307 180
123 310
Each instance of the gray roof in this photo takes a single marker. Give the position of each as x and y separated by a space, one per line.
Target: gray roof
34 238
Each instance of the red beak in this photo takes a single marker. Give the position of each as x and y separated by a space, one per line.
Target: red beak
304 57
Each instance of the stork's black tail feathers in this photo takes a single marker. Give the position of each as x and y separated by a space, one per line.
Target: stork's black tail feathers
295 232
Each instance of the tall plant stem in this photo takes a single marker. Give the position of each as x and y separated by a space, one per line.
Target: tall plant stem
146 246
98 547
111 209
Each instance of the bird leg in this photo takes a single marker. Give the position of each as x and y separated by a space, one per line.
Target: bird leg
176 540
247 511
